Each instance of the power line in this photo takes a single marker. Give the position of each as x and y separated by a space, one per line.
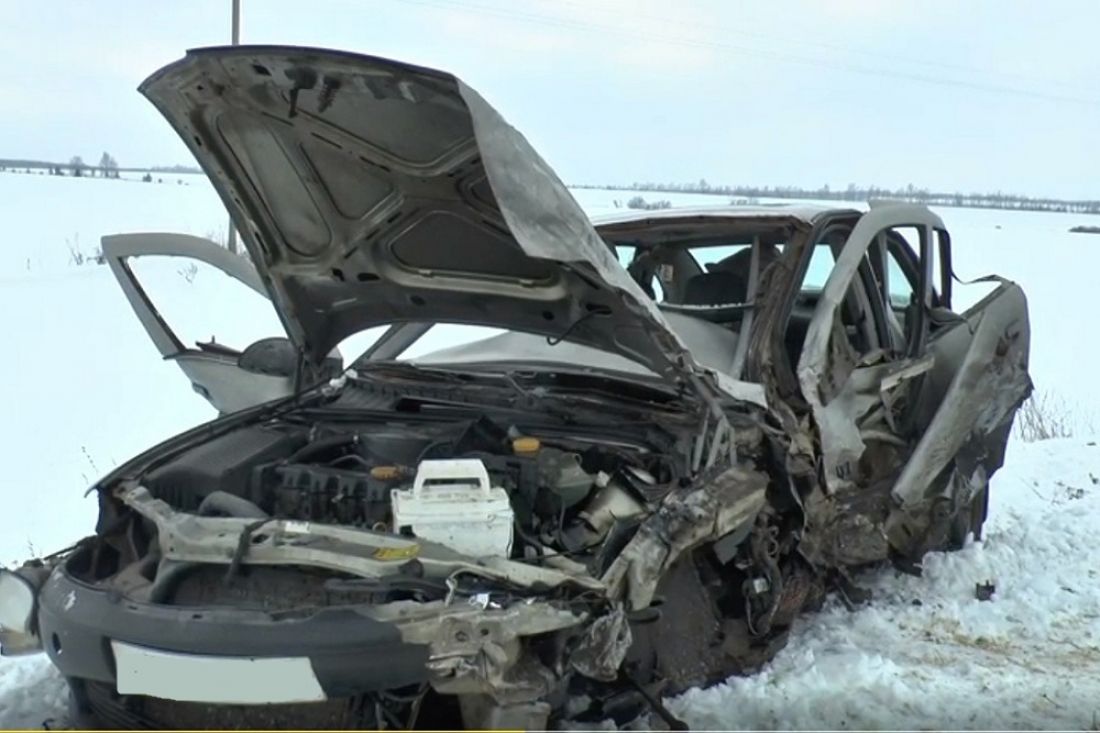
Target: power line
809 40
725 47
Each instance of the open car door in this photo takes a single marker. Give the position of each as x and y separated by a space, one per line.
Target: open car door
936 391
229 376
866 393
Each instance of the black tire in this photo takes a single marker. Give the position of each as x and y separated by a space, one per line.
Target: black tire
979 510
969 520
81 716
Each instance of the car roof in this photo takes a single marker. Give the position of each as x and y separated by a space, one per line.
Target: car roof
803 212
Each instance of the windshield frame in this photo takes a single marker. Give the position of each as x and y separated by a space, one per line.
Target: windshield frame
689 237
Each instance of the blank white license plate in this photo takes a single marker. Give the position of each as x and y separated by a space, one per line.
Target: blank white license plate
227 680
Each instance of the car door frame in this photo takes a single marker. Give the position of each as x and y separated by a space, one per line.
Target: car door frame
868 386
214 375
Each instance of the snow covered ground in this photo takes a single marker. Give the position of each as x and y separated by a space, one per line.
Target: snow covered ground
926 654
84 390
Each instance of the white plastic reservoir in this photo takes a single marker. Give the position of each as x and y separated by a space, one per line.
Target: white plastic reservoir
452 502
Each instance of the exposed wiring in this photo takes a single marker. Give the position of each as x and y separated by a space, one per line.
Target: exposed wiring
243 543
555 340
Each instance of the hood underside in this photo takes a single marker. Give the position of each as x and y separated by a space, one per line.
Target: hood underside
371 192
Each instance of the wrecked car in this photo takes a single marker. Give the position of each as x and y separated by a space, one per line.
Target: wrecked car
678 429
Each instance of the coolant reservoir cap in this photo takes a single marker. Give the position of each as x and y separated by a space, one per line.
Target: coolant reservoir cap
385 473
526 445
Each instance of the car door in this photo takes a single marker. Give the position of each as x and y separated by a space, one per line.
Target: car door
967 403
174 261
861 365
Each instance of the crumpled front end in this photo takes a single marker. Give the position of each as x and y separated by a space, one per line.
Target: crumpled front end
309 573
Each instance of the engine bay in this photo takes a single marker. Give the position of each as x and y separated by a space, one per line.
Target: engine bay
567 495
588 532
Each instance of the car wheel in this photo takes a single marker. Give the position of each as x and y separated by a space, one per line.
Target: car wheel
969 520
81 715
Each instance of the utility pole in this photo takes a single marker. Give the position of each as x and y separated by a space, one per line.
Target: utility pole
231 239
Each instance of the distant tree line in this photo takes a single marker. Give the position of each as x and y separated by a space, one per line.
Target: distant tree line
174 169
637 202
909 194
76 167
108 167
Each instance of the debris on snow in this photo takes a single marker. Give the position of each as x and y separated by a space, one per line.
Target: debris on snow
1030 660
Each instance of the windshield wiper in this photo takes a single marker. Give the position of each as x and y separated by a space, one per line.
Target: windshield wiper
407 370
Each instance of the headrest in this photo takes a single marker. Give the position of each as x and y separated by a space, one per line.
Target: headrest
716 288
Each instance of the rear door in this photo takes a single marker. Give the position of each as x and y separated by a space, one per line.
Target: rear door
866 348
969 398
201 306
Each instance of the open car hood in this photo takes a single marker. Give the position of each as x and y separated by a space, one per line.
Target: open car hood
371 192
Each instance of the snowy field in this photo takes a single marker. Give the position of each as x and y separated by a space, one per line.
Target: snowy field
86 390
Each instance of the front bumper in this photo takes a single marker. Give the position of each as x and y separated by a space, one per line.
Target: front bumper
98 635
467 643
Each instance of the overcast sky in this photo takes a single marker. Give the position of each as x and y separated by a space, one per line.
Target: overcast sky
975 95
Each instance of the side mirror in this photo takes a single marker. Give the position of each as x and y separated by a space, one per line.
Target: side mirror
275 356
278 357
942 316
17 604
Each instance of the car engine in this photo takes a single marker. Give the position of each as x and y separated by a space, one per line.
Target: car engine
565 494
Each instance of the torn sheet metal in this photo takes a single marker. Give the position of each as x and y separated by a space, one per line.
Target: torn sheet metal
715 507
